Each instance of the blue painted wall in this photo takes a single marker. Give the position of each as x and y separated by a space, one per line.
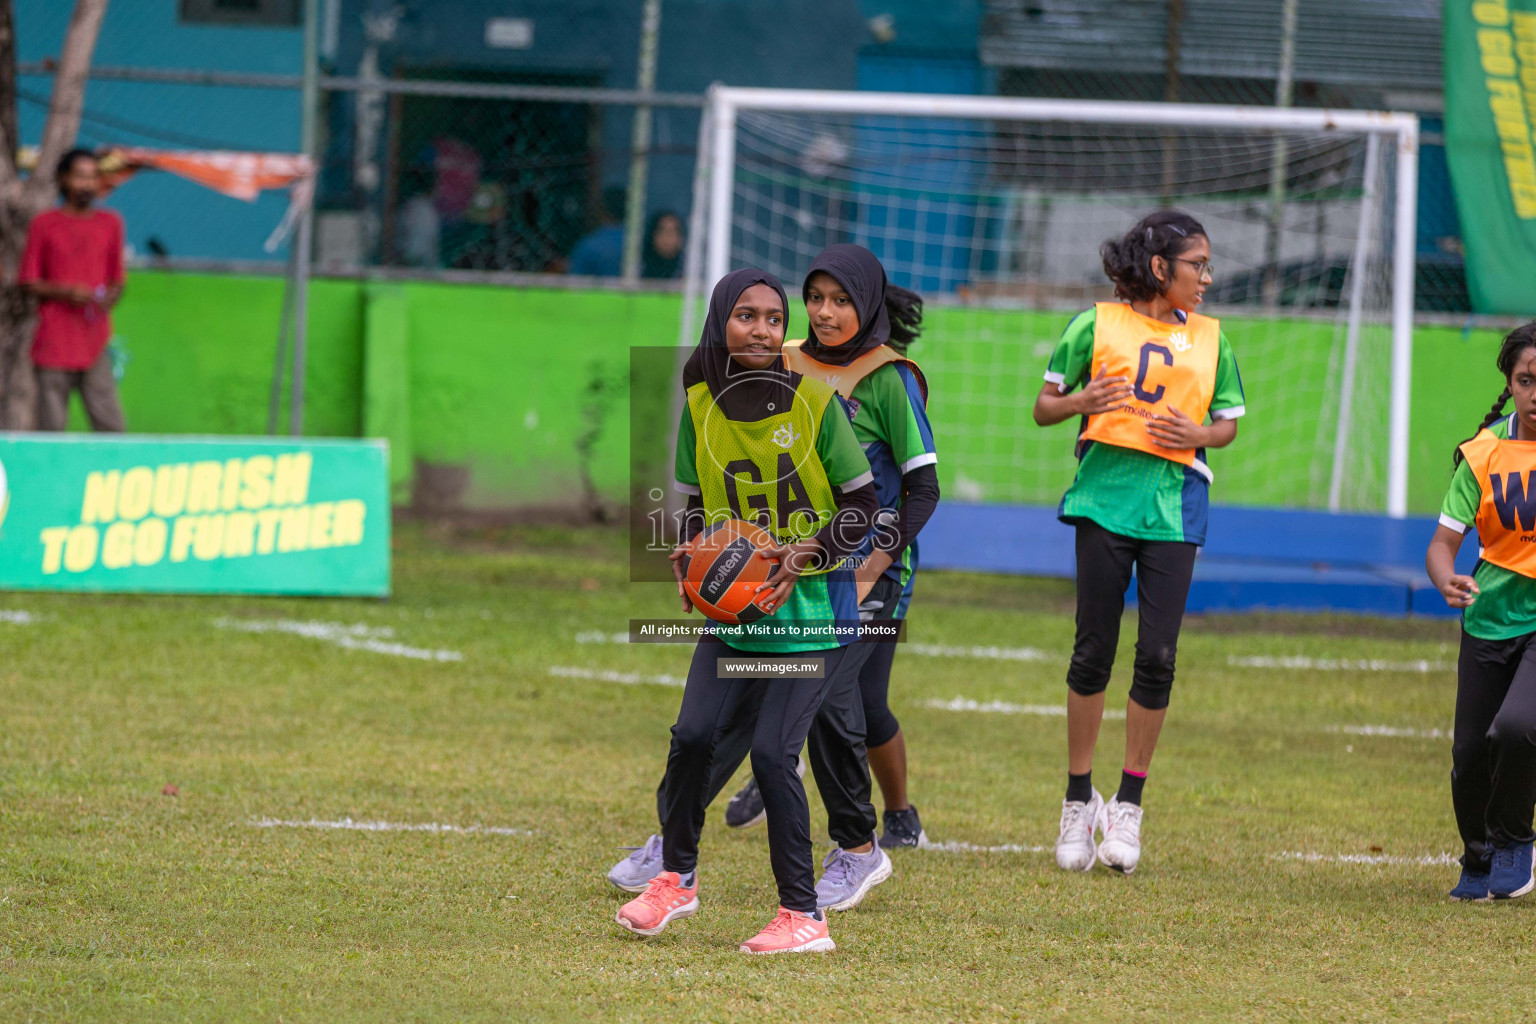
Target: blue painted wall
189 219
823 44
784 44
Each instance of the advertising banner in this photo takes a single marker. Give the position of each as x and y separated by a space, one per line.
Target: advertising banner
1490 100
193 515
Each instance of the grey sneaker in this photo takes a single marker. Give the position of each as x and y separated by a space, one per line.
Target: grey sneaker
634 873
849 876
903 828
746 807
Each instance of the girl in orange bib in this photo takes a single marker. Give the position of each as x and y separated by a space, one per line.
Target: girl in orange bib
1493 753
1143 373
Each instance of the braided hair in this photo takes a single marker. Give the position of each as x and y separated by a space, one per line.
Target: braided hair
1515 342
905 309
1128 259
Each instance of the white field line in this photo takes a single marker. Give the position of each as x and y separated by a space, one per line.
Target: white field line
994 653
348 825
961 847
18 618
1391 730
1425 860
1340 664
998 707
989 653
358 637
612 676
595 636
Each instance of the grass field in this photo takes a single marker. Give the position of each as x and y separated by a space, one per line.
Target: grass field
121 903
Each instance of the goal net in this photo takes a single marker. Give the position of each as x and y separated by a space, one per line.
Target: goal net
993 209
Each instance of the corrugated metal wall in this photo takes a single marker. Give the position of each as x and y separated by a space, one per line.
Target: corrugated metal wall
1381 44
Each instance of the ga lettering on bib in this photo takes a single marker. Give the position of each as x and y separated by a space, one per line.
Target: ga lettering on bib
765 471
1506 513
1167 365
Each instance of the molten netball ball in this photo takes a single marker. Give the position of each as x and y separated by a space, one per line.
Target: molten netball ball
722 570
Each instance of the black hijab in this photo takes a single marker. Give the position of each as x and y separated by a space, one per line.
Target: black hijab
653 263
863 278
742 394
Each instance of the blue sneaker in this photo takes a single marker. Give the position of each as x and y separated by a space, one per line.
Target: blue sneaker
1511 874
634 873
1473 886
849 876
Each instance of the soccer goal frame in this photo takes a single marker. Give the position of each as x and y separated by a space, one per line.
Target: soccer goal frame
708 251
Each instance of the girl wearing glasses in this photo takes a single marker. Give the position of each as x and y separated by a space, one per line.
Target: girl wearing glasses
1143 373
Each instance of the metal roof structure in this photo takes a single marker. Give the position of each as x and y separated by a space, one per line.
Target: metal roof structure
1385 44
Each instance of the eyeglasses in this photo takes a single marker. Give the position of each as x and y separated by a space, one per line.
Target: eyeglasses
1203 268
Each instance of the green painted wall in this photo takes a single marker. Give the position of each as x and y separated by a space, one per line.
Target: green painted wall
525 391
201 347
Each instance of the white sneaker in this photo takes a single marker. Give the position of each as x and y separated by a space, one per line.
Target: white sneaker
1074 844
1121 825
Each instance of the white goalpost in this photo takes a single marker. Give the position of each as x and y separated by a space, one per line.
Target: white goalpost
993 209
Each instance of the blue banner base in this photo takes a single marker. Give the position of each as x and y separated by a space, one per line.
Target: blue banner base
1291 560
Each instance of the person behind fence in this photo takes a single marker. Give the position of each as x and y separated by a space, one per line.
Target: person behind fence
600 253
663 256
73 264
1493 745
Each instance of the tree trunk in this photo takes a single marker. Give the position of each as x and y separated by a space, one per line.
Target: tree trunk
22 199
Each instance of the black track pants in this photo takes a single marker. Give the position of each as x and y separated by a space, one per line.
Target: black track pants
1493 754
781 711
838 755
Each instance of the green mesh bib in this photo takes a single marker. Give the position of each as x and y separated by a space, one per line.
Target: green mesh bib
764 471
768 472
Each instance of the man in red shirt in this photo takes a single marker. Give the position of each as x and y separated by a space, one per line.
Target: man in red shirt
74 265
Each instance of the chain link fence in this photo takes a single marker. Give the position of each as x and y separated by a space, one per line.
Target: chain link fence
469 138
499 176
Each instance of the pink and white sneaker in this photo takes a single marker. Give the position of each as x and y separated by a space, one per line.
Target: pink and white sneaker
792 932
664 901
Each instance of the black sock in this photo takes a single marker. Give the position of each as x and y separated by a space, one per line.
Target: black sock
1130 788
1080 787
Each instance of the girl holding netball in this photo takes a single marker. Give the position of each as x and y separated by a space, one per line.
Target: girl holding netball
1143 374
755 436
1493 753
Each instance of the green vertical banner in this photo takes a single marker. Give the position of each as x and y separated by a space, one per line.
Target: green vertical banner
1490 100
173 515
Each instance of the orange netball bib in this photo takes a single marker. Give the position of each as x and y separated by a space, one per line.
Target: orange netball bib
1506 515
1166 364
845 378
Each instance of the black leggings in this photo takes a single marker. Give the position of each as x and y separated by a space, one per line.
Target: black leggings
780 712
874 686
1163 572
1493 754
875 674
